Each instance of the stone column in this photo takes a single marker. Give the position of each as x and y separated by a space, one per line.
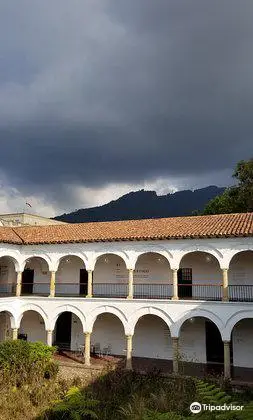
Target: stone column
227 367
87 348
14 333
130 284
89 290
52 284
19 283
129 340
175 284
175 348
225 297
49 337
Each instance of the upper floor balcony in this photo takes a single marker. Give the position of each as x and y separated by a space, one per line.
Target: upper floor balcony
197 277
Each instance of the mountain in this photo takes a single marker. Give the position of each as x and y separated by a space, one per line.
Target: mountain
146 204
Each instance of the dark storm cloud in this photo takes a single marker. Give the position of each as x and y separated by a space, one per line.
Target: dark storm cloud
95 92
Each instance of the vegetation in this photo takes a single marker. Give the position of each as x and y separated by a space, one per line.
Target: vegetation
131 396
236 199
74 406
117 394
27 379
21 361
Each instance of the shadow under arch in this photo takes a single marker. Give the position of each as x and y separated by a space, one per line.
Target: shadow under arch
152 338
68 308
200 313
201 344
234 320
162 257
108 334
12 317
68 256
240 252
149 310
12 259
32 327
110 276
199 276
208 249
107 310
37 258
103 255
35 308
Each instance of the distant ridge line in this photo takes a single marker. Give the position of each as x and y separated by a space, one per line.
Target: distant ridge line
146 205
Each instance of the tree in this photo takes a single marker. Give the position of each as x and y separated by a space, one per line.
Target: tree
236 199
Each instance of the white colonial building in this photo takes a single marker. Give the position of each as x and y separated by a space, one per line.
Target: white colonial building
166 290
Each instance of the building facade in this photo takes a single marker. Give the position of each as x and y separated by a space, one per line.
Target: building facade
176 291
26 219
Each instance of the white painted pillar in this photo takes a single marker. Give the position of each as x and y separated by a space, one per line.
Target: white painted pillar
87 348
14 333
19 283
49 337
89 289
225 297
52 284
175 284
175 348
130 284
129 342
227 366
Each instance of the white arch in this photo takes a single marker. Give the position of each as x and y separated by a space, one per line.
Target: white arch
233 320
13 258
159 251
13 316
80 255
108 310
203 313
149 310
239 251
120 254
67 308
36 308
43 257
208 249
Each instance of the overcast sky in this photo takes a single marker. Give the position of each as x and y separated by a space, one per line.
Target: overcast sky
101 97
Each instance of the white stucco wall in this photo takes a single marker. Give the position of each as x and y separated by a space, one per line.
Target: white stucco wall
68 272
5 326
108 331
41 279
77 335
33 325
242 339
241 269
148 268
7 275
192 341
152 338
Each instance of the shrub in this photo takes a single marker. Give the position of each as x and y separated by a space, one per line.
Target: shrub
23 362
75 405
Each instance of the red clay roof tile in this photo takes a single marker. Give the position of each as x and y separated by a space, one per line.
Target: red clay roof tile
222 225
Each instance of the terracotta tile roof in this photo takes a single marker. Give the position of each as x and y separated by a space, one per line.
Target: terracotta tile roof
222 225
8 235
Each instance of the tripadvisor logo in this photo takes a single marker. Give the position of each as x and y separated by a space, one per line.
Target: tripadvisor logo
196 407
